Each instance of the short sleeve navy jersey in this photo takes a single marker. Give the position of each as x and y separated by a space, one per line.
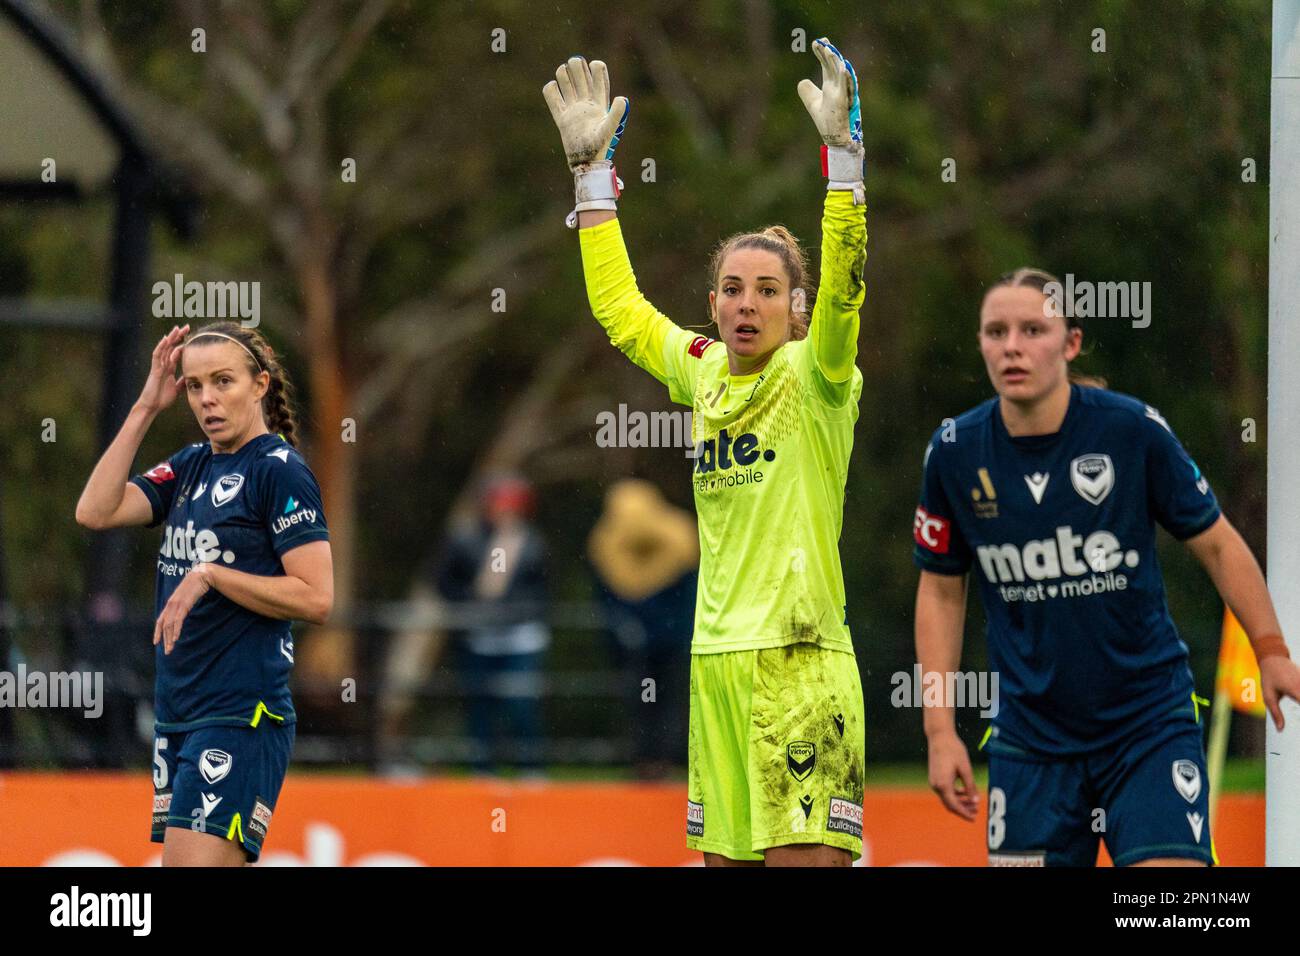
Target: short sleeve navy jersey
1059 530
243 511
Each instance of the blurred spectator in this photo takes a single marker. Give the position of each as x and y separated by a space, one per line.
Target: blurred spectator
645 553
495 570
488 587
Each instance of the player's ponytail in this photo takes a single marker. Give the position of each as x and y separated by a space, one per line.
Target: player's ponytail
1040 280
278 402
782 243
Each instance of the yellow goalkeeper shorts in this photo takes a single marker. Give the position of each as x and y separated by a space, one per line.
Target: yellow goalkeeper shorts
777 746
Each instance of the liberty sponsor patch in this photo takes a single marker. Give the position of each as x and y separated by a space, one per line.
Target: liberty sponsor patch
694 818
844 816
260 819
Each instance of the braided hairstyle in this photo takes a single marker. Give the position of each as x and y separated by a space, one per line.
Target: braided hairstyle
782 243
278 402
1040 280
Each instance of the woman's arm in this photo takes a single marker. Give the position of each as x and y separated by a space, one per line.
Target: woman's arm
305 592
590 127
940 616
109 500
595 217
841 290
1236 573
1240 582
634 326
835 109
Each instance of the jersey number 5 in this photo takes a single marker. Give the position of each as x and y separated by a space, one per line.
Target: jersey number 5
159 765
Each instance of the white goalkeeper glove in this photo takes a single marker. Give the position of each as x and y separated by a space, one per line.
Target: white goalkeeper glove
836 110
590 129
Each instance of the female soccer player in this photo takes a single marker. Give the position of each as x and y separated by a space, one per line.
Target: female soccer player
244 551
776 739
1052 491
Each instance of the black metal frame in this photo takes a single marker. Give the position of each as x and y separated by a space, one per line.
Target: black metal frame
142 186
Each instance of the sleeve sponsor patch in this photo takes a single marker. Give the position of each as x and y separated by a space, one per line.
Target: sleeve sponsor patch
931 531
162 806
161 473
261 818
694 818
699 344
844 816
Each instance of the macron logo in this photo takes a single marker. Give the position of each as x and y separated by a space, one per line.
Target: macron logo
281 453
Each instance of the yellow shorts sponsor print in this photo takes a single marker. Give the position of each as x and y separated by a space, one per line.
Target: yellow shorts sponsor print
777 746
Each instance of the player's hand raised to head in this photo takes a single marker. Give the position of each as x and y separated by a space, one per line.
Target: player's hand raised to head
162 386
950 765
579 100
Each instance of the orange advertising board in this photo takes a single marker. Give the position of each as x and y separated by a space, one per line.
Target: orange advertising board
103 819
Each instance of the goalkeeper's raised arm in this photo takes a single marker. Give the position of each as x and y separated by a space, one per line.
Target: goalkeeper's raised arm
836 111
590 128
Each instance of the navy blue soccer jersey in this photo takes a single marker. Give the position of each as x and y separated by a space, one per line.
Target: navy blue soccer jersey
242 511
1059 531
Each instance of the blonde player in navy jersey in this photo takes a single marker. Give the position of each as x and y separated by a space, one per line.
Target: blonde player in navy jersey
244 552
1049 494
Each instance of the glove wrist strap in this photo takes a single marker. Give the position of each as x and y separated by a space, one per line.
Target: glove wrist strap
842 167
595 186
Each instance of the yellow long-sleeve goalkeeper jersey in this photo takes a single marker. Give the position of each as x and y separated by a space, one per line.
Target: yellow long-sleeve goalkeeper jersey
775 445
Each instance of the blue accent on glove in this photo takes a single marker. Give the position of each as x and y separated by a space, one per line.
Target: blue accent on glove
622 125
855 112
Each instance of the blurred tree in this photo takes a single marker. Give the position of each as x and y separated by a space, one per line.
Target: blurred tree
262 117
1122 165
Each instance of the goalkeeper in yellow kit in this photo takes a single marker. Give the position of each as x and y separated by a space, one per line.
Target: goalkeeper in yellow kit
776 718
